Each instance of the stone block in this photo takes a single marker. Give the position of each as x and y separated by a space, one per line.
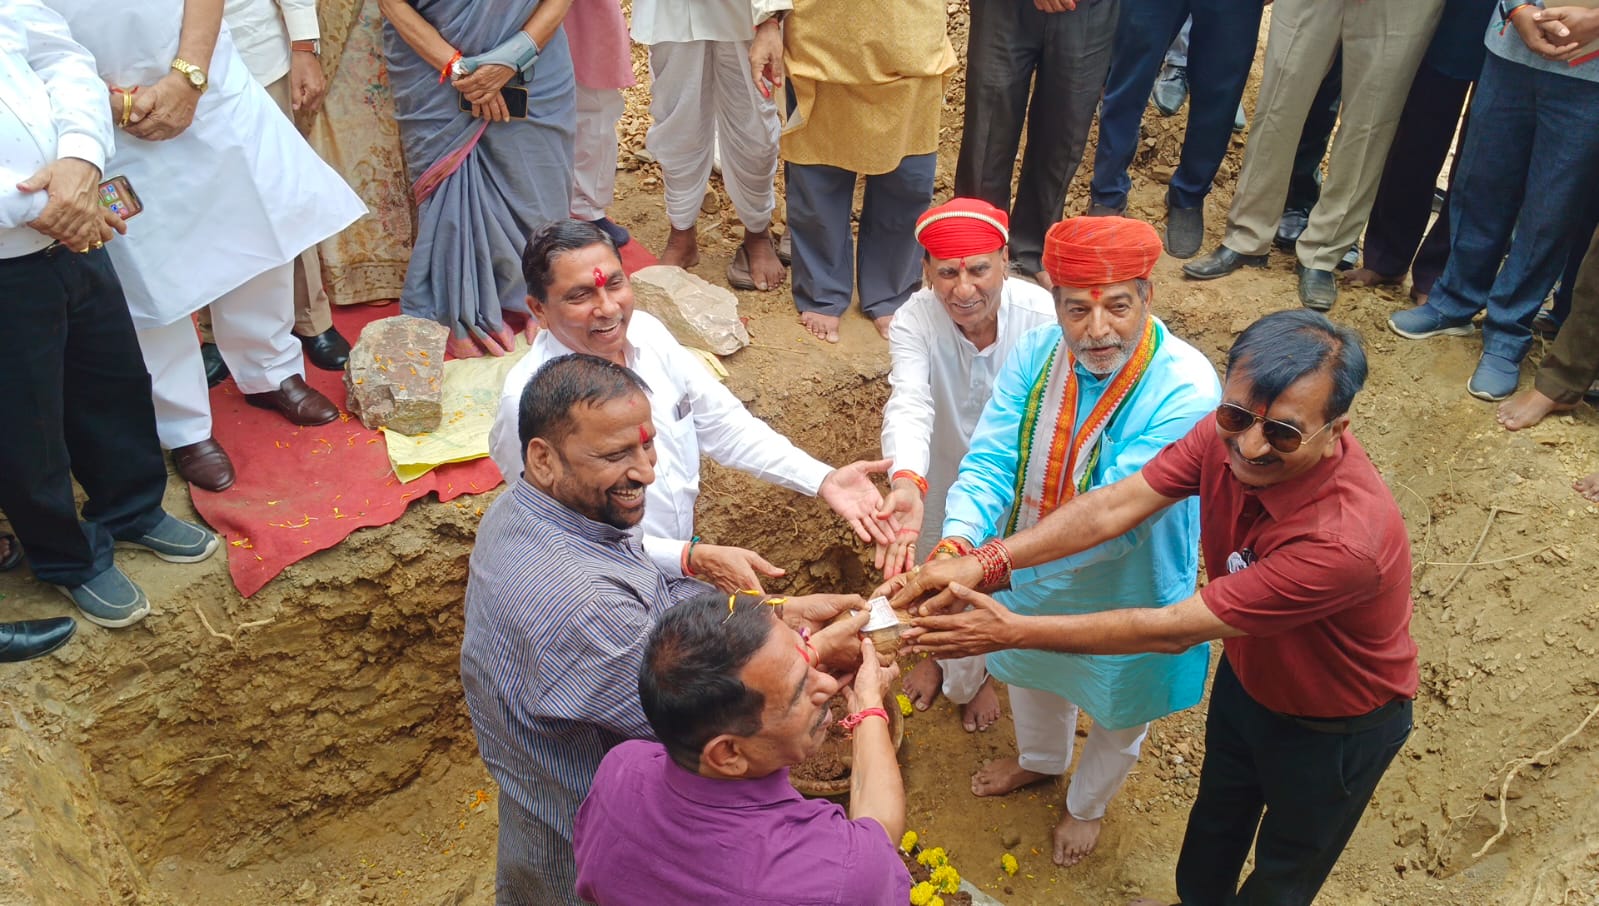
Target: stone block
698 313
395 376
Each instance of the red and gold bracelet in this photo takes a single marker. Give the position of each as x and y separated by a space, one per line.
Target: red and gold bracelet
444 74
950 547
996 562
854 720
907 474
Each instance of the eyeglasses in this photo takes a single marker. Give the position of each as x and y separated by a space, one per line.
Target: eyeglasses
1283 437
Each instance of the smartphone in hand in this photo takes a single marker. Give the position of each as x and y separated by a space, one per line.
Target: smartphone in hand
515 98
117 194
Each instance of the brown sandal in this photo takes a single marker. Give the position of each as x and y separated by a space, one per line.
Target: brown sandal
738 272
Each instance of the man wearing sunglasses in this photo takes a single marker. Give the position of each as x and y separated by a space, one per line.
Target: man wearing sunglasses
1309 566
1076 405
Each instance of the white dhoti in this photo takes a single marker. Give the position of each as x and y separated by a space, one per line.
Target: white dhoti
700 90
1046 729
595 148
252 328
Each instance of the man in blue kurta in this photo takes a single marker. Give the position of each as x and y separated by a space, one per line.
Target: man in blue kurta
1076 406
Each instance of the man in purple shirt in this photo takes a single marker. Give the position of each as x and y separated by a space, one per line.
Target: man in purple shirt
707 814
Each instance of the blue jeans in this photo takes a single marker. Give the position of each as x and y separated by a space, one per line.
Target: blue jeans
1222 46
1528 128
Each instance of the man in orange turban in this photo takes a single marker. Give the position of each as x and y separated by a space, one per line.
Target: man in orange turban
948 343
1077 405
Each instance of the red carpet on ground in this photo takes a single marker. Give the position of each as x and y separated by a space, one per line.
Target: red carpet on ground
303 490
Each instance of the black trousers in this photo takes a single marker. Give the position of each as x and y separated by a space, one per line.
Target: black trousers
1304 186
1062 59
1311 786
76 401
1404 197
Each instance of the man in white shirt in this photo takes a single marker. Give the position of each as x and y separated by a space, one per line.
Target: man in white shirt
948 342
715 67
582 296
280 42
77 396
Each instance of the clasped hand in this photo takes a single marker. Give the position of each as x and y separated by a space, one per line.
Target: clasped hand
73 215
156 112
481 88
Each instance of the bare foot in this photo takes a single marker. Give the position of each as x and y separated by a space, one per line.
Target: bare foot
923 684
823 327
765 269
1042 278
1588 487
981 712
883 324
1075 839
1365 276
1527 408
1003 775
682 248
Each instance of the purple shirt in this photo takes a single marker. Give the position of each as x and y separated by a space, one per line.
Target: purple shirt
651 832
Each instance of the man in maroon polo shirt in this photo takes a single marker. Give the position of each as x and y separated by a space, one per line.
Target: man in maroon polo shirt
1309 566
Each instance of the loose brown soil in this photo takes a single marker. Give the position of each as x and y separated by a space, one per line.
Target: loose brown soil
321 752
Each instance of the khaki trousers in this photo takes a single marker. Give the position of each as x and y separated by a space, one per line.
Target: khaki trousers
1383 42
1572 364
312 314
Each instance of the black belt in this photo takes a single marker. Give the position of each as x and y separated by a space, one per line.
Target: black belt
1345 726
49 251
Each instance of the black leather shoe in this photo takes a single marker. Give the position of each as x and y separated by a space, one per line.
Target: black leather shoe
34 638
1220 263
1105 210
216 370
1288 229
1318 289
327 350
1185 231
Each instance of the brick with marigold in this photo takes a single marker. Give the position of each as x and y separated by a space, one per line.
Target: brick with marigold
946 878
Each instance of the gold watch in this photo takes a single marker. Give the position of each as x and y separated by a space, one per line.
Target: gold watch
195 75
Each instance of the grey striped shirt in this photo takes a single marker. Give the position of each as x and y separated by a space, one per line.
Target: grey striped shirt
558 607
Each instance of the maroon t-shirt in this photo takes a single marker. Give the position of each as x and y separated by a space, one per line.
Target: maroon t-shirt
1316 570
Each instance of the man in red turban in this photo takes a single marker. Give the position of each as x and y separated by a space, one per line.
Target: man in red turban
948 343
1077 405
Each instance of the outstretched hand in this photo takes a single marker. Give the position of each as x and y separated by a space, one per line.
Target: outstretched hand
902 507
849 490
732 568
981 625
926 588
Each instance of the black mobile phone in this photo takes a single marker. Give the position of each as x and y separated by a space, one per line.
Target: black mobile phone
117 194
515 101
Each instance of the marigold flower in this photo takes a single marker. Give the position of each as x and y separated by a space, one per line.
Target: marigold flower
905 708
908 842
936 901
1008 862
933 858
922 894
946 878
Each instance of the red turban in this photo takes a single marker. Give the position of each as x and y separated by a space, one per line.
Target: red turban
961 227
1096 251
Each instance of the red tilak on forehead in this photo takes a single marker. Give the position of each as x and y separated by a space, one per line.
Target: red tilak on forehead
599 280
1095 293
643 435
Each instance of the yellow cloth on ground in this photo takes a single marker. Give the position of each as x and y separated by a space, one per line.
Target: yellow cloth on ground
471 397
868 81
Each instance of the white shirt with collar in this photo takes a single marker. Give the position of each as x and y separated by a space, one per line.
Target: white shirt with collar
262 30
52 105
940 383
693 413
663 21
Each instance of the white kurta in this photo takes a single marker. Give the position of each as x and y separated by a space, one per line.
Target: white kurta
940 384
237 193
692 412
663 21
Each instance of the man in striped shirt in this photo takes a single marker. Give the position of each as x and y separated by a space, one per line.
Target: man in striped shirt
559 602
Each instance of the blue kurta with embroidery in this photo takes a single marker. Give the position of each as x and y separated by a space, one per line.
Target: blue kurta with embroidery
1153 565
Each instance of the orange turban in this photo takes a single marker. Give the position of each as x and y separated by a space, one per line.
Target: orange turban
1096 251
961 227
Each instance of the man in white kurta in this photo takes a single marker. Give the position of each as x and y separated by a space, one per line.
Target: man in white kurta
715 68
948 343
231 193
691 410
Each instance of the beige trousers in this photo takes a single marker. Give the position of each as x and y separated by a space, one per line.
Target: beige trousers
311 312
1383 42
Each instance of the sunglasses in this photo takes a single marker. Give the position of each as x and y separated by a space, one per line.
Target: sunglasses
1283 437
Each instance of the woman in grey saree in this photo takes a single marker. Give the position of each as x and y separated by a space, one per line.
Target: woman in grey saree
481 181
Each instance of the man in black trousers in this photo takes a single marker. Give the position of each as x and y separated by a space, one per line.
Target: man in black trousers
1060 50
77 396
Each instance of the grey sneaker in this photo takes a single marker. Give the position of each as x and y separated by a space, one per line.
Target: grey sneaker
176 541
1171 89
109 599
1423 322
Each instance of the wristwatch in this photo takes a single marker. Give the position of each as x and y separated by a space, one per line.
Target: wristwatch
195 75
312 46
